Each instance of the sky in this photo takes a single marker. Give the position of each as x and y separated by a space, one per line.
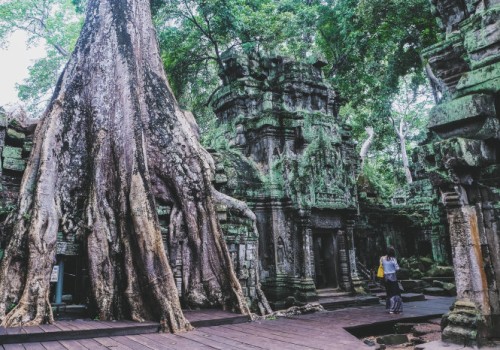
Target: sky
15 59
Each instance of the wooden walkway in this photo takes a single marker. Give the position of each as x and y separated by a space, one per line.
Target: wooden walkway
324 330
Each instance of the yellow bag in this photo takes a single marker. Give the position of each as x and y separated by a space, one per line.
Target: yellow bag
380 271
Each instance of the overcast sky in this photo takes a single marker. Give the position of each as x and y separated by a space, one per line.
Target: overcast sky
15 59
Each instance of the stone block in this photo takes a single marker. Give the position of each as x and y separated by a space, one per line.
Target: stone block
441 271
12 152
447 61
409 297
403 274
411 285
450 288
435 291
482 38
402 328
471 116
27 147
220 178
14 164
483 80
15 136
465 152
392 339
3 120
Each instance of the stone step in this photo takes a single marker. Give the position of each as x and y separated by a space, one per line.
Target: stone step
331 293
435 291
409 297
344 302
442 279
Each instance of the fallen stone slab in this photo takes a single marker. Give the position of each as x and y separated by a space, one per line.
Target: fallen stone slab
435 291
425 328
409 297
440 345
393 339
402 328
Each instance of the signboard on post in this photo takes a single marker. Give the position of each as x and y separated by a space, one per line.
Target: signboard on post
54 276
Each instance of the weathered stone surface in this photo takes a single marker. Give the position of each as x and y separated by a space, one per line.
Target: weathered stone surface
393 339
14 164
409 297
402 328
472 116
15 136
485 80
292 158
12 152
441 271
435 291
447 62
481 35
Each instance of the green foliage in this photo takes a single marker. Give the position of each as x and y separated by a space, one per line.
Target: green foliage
371 44
372 47
193 35
10 307
54 23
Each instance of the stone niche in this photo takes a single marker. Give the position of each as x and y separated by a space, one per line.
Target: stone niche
461 158
292 159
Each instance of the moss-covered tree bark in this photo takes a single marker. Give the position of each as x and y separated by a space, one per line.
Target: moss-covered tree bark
112 144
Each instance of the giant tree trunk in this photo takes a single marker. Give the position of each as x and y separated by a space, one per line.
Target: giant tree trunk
113 143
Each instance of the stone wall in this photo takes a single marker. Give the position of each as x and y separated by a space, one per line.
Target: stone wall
462 159
292 158
414 223
15 147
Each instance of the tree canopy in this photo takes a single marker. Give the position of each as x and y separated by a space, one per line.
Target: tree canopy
53 23
370 46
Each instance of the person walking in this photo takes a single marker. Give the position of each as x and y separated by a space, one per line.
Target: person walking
394 303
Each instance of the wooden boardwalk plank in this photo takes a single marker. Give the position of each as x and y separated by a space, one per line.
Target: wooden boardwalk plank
251 337
141 342
173 341
13 347
34 346
72 345
92 344
266 336
112 344
222 337
215 342
285 333
53 345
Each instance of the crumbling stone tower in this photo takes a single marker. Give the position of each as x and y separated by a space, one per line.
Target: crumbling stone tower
462 158
291 157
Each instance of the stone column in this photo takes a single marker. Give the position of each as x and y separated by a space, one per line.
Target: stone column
357 284
472 318
307 261
305 286
345 276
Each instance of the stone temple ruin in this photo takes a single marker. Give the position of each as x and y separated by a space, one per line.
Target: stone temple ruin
292 159
461 158
284 149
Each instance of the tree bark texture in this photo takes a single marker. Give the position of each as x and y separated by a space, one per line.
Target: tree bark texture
113 144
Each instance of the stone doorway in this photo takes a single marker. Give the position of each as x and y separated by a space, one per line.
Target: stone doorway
326 259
